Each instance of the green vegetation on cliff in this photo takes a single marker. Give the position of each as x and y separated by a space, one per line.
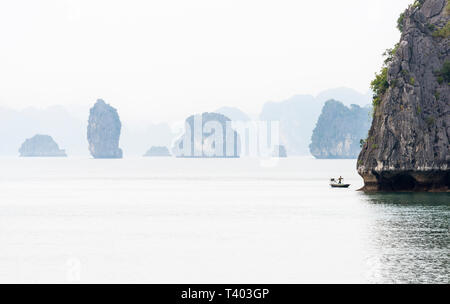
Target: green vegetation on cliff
401 18
379 86
444 74
443 32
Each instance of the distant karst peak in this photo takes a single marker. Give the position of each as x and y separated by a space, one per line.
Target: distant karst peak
41 146
103 132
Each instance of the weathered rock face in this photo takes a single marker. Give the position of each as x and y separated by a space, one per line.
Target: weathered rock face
208 136
41 146
408 144
339 131
103 131
157 152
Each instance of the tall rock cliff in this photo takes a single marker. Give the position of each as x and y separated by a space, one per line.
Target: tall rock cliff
339 131
408 144
103 131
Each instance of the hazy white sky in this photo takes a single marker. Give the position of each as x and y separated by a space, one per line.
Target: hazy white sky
162 60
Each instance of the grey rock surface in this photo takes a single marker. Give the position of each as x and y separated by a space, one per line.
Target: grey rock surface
408 144
103 132
339 131
41 146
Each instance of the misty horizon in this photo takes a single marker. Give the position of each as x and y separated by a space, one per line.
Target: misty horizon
163 61
67 123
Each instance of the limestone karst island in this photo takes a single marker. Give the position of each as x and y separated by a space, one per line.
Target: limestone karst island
103 132
339 131
41 146
407 148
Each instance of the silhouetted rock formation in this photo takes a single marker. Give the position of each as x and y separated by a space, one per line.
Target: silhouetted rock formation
408 144
103 131
41 146
280 152
339 131
157 152
208 136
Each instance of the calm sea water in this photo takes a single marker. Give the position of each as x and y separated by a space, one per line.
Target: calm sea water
213 221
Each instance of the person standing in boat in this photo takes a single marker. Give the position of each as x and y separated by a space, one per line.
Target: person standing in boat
340 179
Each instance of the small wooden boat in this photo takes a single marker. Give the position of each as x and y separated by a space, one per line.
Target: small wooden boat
335 184
340 185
